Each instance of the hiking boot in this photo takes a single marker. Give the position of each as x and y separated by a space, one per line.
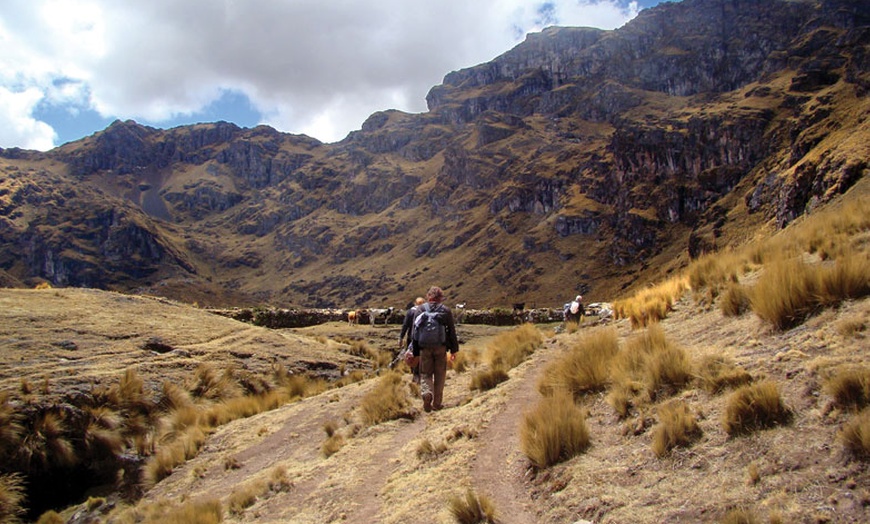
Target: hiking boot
427 402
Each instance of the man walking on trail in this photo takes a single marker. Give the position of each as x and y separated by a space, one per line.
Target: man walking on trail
433 336
407 330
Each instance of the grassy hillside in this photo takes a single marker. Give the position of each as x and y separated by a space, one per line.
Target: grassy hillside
735 391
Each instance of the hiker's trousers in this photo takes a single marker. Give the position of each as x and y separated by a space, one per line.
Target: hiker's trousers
433 371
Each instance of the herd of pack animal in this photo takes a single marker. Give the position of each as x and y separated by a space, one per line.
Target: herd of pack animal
573 311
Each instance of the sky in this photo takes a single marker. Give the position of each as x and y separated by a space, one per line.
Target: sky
68 68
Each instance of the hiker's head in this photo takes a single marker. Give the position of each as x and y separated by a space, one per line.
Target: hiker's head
435 294
419 301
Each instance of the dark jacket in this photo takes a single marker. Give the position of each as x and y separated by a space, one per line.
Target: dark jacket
452 342
407 326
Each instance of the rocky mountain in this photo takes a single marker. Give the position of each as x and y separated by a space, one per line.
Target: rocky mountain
582 160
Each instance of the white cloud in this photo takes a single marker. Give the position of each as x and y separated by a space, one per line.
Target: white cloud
306 65
18 127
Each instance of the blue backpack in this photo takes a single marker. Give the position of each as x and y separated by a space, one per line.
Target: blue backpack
429 330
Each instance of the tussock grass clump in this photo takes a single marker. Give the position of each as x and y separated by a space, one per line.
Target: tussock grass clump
486 379
648 367
785 294
850 388
734 300
754 407
11 498
165 512
740 516
51 517
171 454
462 361
10 426
211 384
554 430
388 400
715 270
651 304
717 372
472 508
509 349
332 445
585 368
426 449
855 435
789 291
677 427
46 444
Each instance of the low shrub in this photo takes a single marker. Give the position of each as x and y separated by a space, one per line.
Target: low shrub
850 388
472 509
388 400
716 373
855 435
585 368
677 426
554 430
754 407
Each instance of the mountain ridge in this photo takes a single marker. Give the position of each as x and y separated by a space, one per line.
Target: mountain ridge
580 161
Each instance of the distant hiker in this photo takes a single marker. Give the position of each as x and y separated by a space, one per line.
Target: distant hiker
573 311
433 335
407 328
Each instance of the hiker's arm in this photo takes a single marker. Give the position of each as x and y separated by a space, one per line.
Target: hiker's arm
452 339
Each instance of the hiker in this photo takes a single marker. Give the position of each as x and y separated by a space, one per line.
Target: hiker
434 334
574 311
407 327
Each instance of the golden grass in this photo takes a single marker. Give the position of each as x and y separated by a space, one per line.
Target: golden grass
426 449
648 367
11 498
388 400
740 516
855 434
51 517
171 454
754 407
472 509
488 378
554 430
211 384
585 367
850 388
46 444
716 372
734 300
789 291
509 349
191 512
651 304
677 426
10 426
247 494
332 445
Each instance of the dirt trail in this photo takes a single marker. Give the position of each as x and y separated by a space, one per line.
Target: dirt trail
500 467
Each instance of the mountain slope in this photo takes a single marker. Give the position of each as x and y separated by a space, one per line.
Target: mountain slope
580 161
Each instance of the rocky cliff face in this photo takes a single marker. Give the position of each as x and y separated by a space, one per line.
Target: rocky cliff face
573 162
